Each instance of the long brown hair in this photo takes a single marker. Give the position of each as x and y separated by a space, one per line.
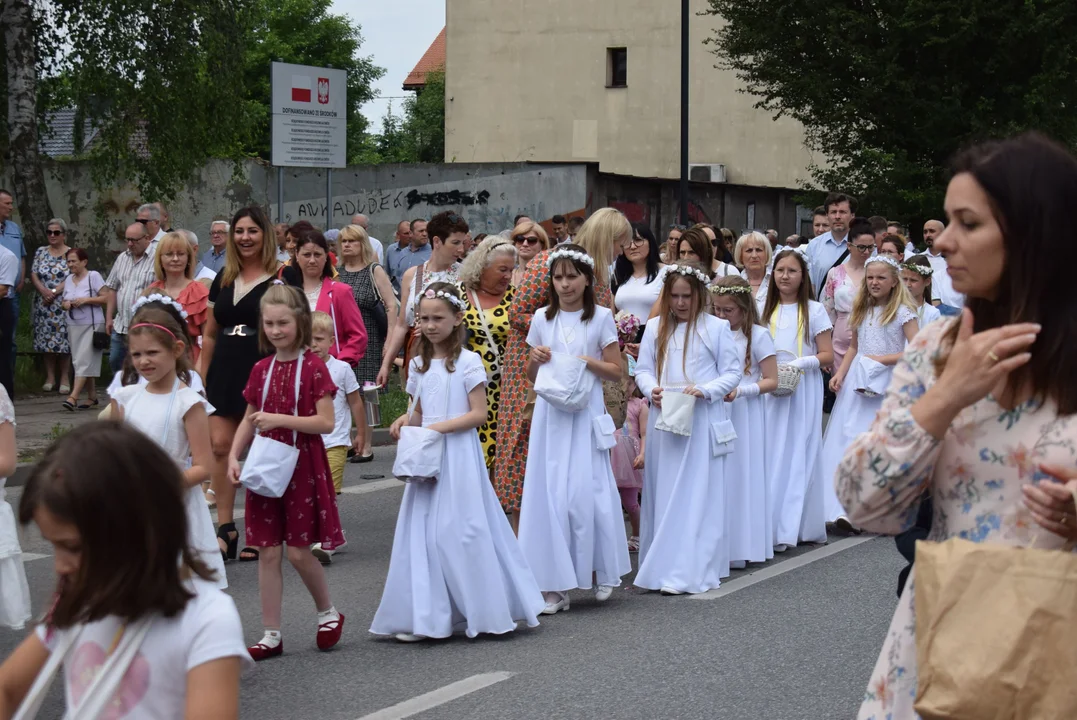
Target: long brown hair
101 477
774 295
701 244
232 264
553 303
164 324
668 322
1031 182
424 348
744 300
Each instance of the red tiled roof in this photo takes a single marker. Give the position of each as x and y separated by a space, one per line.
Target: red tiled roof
433 59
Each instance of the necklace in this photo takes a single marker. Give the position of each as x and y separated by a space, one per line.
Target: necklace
569 335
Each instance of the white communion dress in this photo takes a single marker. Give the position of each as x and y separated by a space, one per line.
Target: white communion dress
455 564
683 534
14 590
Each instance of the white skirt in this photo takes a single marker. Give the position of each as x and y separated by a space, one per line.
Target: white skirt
84 358
456 564
14 590
751 534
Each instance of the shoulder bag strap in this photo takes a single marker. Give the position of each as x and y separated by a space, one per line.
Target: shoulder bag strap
374 281
490 344
336 334
101 691
31 704
839 261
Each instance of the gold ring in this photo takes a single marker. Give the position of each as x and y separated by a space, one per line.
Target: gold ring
1065 519
992 356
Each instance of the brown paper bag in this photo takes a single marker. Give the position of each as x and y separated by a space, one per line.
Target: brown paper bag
996 632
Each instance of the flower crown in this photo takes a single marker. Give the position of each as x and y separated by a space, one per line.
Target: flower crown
430 294
689 272
158 298
884 259
731 290
919 269
569 255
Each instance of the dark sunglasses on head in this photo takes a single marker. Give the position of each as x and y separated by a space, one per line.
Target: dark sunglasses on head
529 239
54 233
678 227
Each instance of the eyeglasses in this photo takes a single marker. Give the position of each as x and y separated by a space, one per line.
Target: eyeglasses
142 222
864 248
529 239
175 254
633 242
218 232
54 233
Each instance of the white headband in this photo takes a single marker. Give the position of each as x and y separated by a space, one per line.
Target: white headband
689 271
884 259
569 255
432 295
163 299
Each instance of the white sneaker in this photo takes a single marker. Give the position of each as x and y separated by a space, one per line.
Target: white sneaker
552 608
738 564
325 557
666 590
603 592
780 548
408 637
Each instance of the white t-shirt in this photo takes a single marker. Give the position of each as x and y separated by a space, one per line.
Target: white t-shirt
637 296
344 378
205 274
942 287
155 687
117 383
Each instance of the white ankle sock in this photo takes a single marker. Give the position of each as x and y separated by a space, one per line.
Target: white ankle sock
271 639
328 615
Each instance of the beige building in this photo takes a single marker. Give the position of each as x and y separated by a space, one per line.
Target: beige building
598 81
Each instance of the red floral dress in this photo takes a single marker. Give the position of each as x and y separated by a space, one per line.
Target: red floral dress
307 513
513 430
195 301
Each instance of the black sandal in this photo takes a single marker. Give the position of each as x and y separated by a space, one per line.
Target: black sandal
362 458
248 554
69 405
91 404
228 533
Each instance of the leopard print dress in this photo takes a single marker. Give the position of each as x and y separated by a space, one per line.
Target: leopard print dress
497 319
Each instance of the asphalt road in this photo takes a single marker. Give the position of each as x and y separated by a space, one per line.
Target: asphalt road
794 639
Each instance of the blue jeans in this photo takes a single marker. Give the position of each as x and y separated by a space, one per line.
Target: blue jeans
117 351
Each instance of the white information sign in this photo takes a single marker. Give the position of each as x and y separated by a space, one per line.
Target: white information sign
309 116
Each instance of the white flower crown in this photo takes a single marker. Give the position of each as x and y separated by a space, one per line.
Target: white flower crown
163 299
884 259
919 269
690 272
570 255
731 290
429 294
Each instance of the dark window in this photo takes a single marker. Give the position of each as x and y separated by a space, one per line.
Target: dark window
616 67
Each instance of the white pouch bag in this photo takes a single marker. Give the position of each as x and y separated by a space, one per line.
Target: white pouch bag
605 432
270 463
418 454
870 377
678 410
565 382
722 436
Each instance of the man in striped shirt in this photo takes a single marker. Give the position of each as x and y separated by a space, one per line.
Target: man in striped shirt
131 274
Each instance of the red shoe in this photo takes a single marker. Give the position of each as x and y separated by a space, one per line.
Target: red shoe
329 632
261 652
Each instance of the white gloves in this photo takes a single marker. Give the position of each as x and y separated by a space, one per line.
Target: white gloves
748 391
808 362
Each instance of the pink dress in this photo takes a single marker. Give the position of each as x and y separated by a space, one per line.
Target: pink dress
627 448
838 295
307 513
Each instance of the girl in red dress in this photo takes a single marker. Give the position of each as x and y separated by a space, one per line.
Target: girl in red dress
307 512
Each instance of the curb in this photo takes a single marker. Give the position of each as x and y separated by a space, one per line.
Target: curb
22 470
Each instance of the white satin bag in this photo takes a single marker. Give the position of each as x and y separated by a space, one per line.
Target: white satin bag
870 377
418 454
722 436
565 382
605 432
270 463
677 412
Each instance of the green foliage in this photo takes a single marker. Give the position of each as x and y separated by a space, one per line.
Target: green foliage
418 136
888 90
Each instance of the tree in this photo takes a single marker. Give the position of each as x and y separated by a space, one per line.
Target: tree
888 90
417 136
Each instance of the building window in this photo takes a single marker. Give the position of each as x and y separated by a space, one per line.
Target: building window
616 67
751 216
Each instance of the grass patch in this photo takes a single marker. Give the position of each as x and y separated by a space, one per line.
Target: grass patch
393 404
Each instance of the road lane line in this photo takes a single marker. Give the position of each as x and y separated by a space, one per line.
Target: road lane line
434 698
766 573
370 487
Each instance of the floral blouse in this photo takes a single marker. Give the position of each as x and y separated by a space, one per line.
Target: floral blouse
974 474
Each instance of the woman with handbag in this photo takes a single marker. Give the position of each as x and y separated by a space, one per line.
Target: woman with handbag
374 296
980 410
84 306
485 278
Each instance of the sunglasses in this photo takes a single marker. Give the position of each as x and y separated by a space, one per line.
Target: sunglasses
143 222
529 239
54 233
678 227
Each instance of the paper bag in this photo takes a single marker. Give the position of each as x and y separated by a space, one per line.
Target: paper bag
996 632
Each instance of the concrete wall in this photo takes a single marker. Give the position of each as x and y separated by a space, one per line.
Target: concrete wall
528 82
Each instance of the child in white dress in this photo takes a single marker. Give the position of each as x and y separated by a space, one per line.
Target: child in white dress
883 320
168 411
688 363
916 275
751 535
801 331
455 564
14 590
571 526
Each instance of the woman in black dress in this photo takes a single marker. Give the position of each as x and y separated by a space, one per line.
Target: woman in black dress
230 351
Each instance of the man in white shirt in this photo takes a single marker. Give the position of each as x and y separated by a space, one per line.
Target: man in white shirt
943 295
832 247
201 272
361 220
9 279
149 217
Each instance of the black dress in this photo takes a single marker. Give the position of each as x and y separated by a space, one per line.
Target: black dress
234 355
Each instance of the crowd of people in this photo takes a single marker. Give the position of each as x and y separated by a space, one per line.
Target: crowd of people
560 382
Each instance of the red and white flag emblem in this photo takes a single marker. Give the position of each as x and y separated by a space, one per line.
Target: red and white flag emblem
323 91
301 88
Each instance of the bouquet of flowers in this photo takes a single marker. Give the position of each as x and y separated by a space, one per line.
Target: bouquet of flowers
628 326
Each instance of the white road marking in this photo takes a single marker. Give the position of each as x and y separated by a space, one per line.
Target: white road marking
766 573
434 698
370 487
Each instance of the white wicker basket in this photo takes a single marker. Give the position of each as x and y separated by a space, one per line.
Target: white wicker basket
788 377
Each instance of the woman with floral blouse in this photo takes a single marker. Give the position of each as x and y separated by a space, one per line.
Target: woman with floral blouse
981 409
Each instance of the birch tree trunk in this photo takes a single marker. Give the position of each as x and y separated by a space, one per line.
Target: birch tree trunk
31 198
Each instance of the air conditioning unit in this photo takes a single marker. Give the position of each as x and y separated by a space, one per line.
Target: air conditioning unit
706 172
